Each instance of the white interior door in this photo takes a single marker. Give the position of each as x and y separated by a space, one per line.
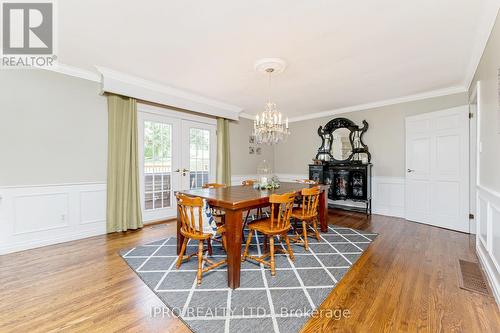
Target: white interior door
198 154
159 158
437 175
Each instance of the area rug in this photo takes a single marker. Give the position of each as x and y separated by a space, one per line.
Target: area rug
263 303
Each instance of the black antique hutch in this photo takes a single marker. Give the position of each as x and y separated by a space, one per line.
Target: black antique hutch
348 174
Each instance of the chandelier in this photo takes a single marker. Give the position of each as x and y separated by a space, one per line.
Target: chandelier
269 127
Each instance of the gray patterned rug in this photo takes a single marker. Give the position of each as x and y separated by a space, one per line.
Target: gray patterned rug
263 303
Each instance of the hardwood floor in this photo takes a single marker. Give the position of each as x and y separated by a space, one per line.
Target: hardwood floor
406 281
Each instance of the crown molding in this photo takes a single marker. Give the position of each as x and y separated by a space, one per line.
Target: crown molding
362 107
133 86
487 23
247 116
398 100
74 71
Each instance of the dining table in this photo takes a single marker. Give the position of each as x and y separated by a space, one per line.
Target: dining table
234 200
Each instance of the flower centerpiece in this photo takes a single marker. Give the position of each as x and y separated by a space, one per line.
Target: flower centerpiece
271 184
266 180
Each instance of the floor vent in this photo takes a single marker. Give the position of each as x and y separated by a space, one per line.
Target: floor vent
472 278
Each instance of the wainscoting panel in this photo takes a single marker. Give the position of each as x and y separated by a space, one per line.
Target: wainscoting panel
488 237
34 216
93 206
388 196
28 220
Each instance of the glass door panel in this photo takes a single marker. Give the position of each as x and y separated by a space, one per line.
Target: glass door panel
200 139
158 161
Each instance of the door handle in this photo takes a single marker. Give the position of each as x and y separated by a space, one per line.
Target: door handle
178 170
411 170
184 171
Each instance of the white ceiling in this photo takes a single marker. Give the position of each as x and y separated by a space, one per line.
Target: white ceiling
339 53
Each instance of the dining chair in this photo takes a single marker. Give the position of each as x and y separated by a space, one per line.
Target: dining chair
306 181
219 214
307 213
213 185
298 199
251 182
216 212
276 225
191 216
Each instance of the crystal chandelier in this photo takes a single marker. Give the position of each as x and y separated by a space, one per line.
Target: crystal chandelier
268 127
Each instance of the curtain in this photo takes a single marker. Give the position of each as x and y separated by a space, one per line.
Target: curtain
223 155
123 200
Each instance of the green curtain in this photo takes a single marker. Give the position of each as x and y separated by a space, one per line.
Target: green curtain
123 202
223 155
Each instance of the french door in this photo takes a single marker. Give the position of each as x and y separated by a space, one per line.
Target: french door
174 154
437 168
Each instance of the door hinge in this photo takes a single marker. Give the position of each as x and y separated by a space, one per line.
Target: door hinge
471 115
471 216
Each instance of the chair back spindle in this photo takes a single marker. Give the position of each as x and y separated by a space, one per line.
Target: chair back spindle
213 185
281 210
248 182
310 201
306 181
188 208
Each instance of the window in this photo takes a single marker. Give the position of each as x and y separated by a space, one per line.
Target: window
199 157
157 165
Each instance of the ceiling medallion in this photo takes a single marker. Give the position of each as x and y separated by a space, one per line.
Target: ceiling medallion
270 127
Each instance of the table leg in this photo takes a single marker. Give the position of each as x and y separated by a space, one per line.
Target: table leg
234 225
180 237
323 211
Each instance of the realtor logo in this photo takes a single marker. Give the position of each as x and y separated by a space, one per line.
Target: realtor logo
27 34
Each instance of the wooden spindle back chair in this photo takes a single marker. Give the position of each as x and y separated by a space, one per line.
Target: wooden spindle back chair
248 182
220 214
281 210
307 213
310 201
306 181
191 216
213 185
276 225
251 182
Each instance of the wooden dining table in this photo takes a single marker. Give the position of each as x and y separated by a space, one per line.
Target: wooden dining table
234 200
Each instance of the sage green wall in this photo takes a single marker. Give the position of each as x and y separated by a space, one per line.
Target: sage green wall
489 106
53 129
242 163
385 136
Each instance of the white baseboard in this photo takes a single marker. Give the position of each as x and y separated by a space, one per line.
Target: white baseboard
34 216
492 274
487 231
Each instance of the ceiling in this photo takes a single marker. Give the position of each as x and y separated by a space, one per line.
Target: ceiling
339 53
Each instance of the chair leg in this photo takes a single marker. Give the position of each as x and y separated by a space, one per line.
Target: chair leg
244 225
265 247
181 254
247 245
290 252
209 246
224 243
200 260
304 231
271 250
315 226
